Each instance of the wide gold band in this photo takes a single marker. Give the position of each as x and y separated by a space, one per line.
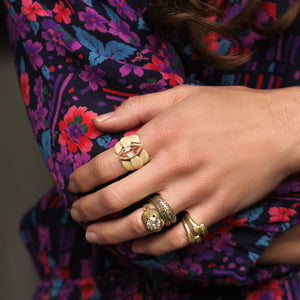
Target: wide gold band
131 152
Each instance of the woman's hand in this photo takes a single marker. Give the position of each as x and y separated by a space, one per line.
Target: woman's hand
213 151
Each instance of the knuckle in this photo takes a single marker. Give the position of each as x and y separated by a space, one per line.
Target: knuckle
130 103
179 239
111 200
101 167
84 209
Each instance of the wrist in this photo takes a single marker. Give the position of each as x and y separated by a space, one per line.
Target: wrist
285 106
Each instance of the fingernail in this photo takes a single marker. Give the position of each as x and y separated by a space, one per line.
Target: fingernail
103 117
91 237
75 214
73 187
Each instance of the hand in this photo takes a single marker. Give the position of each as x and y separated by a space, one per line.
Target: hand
213 151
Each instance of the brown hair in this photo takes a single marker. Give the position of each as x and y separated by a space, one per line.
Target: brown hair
195 18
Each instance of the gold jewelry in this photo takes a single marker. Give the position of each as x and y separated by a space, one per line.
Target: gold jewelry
152 219
194 231
164 209
191 237
131 152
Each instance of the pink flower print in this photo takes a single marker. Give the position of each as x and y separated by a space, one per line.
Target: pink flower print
92 20
127 68
77 129
63 13
122 30
93 76
281 214
25 88
31 10
33 49
21 25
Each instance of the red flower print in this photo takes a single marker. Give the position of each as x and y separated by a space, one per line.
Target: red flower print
87 288
77 129
31 10
281 214
63 13
25 87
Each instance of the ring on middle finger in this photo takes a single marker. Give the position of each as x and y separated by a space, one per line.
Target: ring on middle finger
164 209
131 153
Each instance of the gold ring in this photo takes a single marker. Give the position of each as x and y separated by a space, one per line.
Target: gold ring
194 231
164 209
131 152
152 219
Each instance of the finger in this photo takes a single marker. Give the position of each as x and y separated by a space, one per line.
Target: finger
118 230
102 169
172 239
140 109
106 166
119 194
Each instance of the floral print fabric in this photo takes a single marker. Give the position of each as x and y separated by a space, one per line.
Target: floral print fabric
77 59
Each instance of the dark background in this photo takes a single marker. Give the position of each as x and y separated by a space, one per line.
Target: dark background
23 179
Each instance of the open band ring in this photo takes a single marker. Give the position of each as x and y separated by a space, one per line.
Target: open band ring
164 209
194 231
131 153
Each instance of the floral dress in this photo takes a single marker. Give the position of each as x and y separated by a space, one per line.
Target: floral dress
79 58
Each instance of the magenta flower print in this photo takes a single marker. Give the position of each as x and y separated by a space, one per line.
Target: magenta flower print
33 50
153 86
65 158
57 38
38 88
93 76
127 68
92 20
121 29
22 25
80 159
37 118
123 9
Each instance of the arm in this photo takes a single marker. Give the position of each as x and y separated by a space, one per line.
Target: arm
214 151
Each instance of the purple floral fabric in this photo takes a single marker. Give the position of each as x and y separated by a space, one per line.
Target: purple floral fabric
78 59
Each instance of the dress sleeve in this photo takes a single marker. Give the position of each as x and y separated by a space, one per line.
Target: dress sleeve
76 61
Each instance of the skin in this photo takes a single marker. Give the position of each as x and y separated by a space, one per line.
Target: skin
213 151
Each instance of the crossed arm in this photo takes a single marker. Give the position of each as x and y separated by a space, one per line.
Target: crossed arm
213 151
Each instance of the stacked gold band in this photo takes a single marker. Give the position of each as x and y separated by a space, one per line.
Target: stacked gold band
164 209
131 152
194 231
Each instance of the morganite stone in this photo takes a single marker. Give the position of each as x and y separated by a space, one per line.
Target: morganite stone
130 151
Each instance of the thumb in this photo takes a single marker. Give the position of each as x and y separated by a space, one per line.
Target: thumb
136 111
